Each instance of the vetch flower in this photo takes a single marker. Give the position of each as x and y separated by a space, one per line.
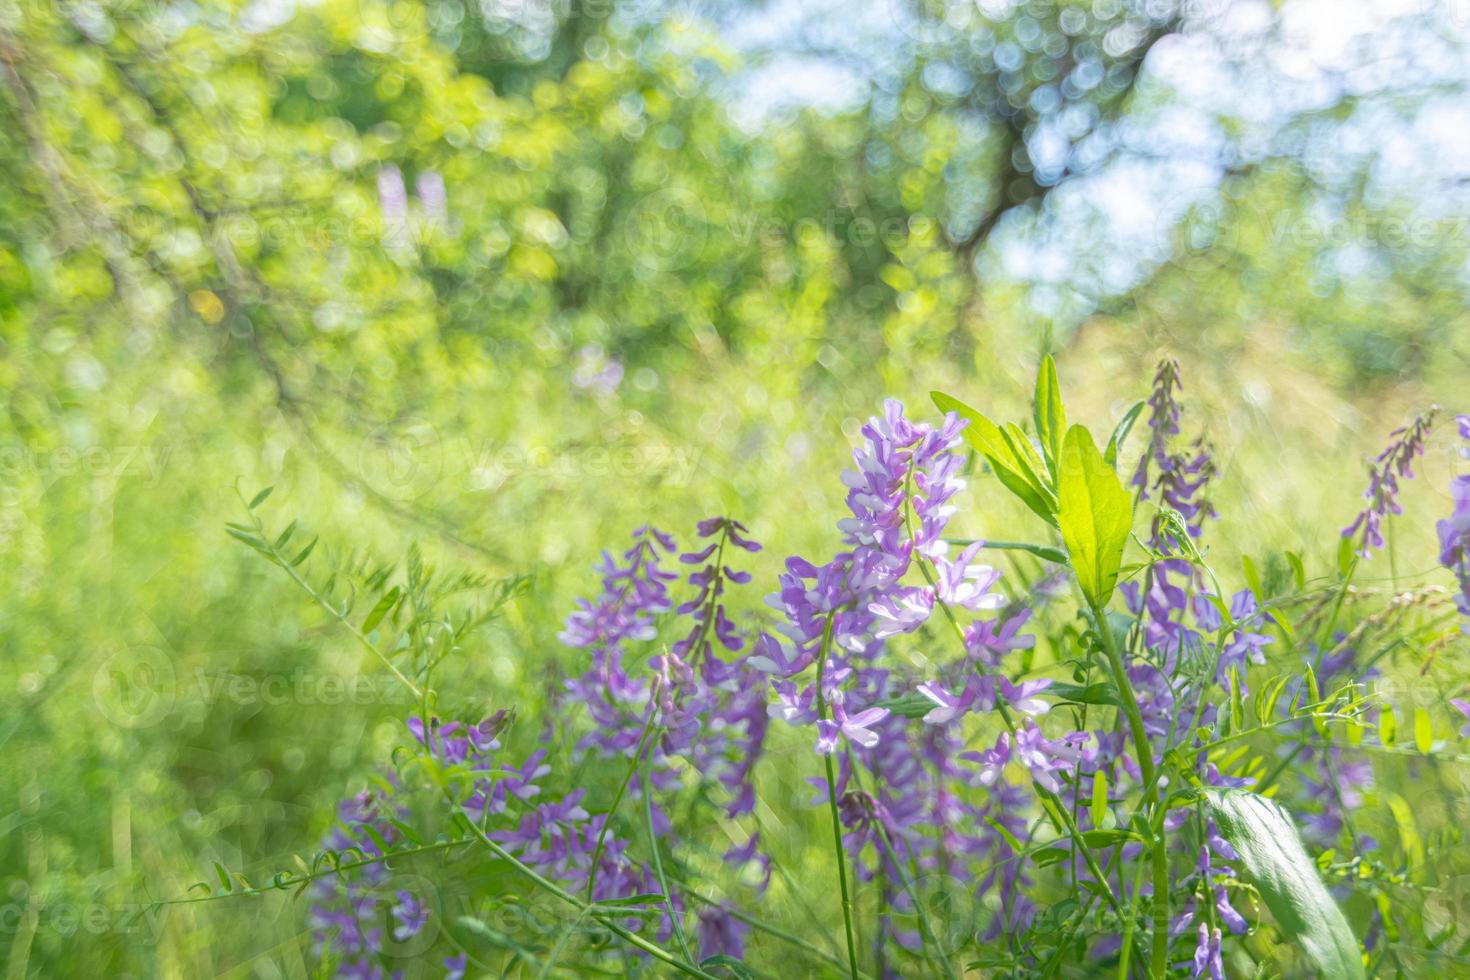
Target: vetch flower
853 727
1207 954
992 761
1394 462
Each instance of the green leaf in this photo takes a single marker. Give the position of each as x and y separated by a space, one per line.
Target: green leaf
1050 416
224 877
986 438
1095 514
1120 434
305 553
1423 731
738 969
1107 837
380 610
1272 858
1252 577
1044 552
1033 466
1347 558
1005 834
908 705
249 539
1387 726
1298 570
259 498
1101 692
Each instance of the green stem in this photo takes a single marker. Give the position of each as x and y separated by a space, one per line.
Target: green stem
1144 750
832 806
1058 818
658 870
332 610
925 928
643 740
607 917
1126 952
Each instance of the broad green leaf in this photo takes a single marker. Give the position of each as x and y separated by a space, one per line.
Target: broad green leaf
986 438
1034 467
1050 416
1095 514
1120 434
1272 858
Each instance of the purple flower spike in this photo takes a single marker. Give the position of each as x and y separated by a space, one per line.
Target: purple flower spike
1395 461
1207 954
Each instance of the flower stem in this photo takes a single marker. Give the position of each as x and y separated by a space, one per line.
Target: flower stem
643 741
658 868
1144 750
832 806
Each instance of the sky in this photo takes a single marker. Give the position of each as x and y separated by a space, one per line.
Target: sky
1240 79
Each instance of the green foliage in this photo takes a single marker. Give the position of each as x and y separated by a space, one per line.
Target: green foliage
201 286
1274 861
1096 516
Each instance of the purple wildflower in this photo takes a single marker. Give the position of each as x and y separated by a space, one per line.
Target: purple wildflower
1207 954
1464 708
1454 531
1394 462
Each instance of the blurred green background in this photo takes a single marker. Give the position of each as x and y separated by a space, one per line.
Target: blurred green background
509 278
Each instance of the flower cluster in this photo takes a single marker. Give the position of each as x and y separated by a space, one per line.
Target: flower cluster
949 752
697 700
1395 462
1454 531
